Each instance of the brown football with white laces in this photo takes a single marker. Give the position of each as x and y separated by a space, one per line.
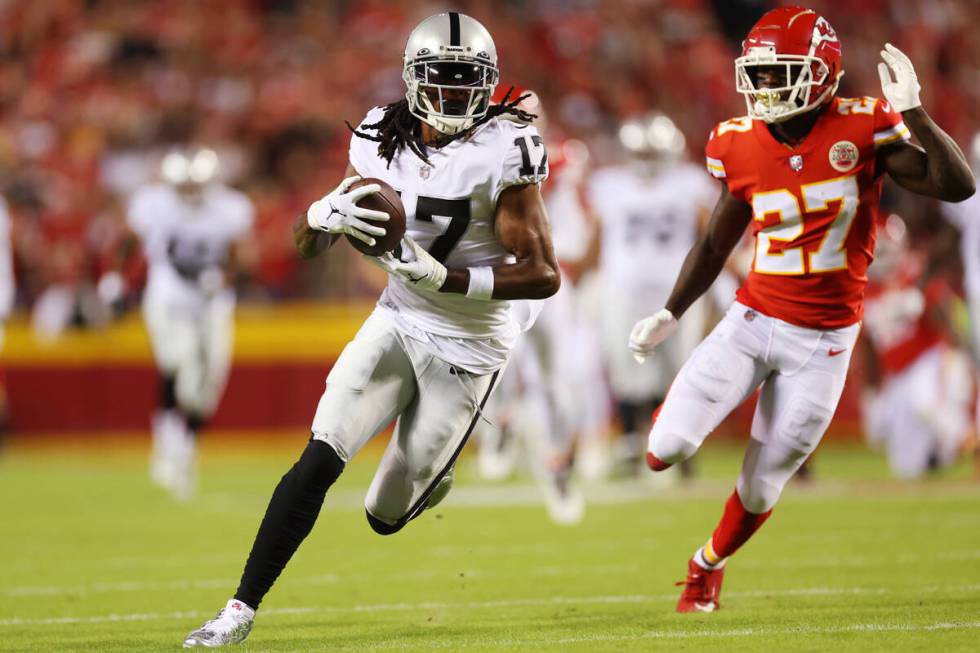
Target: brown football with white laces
387 201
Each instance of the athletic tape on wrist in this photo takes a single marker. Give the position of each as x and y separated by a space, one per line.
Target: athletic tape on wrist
481 283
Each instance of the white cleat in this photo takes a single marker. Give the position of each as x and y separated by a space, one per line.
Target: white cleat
231 625
562 498
184 467
161 466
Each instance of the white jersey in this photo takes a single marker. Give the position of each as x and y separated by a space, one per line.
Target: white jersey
6 264
449 208
181 239
648 226
966 216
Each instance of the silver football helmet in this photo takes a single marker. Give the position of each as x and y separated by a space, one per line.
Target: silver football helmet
653 136
450 69
189 170
190 166
653 139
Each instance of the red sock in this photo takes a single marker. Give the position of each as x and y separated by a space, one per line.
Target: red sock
736 526
655 464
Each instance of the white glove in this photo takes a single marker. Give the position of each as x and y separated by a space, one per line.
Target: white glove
110 288
903 93
650 332
338 213
419 267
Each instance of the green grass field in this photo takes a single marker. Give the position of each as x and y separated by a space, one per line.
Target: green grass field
96 559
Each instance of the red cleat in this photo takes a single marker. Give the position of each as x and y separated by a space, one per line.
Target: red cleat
701 589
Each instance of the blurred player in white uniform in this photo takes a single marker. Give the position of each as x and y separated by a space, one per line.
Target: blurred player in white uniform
7 291
430 354
918 393
652 209
966 217
548 394
545 401
190 225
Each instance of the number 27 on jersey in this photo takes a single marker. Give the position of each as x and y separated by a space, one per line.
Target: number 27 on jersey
792 216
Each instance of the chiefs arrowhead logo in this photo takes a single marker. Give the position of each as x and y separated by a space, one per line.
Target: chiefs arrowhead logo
824 30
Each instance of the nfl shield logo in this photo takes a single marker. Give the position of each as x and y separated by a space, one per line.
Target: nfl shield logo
796 162
424 172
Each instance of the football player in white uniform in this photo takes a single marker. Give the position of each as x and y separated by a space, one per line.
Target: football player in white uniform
652 209
429 355
7 291
190 226
966 217
543 403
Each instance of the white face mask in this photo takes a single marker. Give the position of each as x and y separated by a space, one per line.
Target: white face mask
789 91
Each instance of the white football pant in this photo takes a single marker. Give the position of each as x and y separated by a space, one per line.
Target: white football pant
192 341
382 375
802 373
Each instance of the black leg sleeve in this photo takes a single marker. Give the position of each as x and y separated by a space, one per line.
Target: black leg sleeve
289 518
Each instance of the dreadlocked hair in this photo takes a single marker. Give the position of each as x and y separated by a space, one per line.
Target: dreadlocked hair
398 128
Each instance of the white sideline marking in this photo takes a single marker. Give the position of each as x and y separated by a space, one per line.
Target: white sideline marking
547 572
701 634
503 603
324 579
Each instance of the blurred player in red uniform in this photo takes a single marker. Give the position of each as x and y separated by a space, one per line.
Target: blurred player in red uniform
805 169
917 400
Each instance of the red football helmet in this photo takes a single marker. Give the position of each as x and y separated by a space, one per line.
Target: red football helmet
795 45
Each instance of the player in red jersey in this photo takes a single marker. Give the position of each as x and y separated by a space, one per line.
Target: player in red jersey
805 169
918 386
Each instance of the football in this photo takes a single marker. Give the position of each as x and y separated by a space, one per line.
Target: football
385 200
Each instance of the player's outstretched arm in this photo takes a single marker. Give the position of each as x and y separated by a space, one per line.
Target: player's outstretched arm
938 168
707 258
700 269
521 224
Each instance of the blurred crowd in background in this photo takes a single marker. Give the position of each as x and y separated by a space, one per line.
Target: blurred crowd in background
93 93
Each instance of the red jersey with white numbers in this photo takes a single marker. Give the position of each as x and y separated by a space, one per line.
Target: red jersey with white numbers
899 320
814 208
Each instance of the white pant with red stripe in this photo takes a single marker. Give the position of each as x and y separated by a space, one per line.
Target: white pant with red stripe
802 373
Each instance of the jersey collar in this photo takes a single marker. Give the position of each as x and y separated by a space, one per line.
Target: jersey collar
807 145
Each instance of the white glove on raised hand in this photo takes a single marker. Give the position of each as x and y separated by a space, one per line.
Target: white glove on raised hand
650 332
903 93
337 212
416 266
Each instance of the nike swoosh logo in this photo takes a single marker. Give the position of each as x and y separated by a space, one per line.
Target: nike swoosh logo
835 352
705 607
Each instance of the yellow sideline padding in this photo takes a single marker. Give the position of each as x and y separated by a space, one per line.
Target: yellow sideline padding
303 332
